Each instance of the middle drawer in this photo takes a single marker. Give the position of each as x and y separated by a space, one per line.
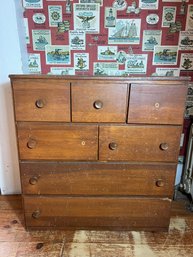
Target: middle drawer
70 142
146 143
57 141
97 178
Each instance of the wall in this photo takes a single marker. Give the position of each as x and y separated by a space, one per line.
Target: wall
10 62
66 37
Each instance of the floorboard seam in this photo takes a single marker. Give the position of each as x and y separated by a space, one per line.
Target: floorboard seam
63 248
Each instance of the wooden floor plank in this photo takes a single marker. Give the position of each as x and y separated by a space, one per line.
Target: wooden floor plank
10 202
15 241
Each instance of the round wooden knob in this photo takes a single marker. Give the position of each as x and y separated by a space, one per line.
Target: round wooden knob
36 214
31 143
113 146
33 180
159 183
39 103
98 104
164 146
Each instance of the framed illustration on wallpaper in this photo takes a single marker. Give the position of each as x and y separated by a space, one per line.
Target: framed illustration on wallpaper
127 31
55 15
26 27
77 40
168 16
168 72
151 38
107 53
62 70
110 17
91 2
186 62
57 54
136 64
34 63
40 39
105 68
149 4
81 61
165 55
33 4
186 40
87 17
189 19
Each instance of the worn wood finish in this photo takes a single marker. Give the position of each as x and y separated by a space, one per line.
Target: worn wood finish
57 142
97 211
37 100
99 102
139 143
82 165
157 104
97 178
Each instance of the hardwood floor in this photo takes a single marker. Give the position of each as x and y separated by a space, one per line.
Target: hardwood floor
16 242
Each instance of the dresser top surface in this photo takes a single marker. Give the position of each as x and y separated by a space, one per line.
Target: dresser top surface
115 78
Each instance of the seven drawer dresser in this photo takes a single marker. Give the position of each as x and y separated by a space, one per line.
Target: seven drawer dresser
98 152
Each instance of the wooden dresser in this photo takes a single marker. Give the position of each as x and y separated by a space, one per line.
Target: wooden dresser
98 152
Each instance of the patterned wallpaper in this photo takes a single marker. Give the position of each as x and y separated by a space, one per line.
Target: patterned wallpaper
110 37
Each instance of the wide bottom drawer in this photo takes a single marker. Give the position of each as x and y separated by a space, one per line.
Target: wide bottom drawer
135 213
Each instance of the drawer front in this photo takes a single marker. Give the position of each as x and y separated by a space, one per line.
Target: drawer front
57 142
103 212
38 100
139 143
99 102
97 179
157 104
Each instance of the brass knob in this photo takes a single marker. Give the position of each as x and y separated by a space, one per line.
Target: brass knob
98 104
31 143
159 183
36 214
39 103
164 146
113 146
33 180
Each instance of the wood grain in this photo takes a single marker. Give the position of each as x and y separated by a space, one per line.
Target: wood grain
139 143
93 212
82 165
112 96
55 95
57 142
157 104
97 178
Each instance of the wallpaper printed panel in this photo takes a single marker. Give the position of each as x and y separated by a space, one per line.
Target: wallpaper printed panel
110 37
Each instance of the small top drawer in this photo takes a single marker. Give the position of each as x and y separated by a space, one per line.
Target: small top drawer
157 104
41 100
99 101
